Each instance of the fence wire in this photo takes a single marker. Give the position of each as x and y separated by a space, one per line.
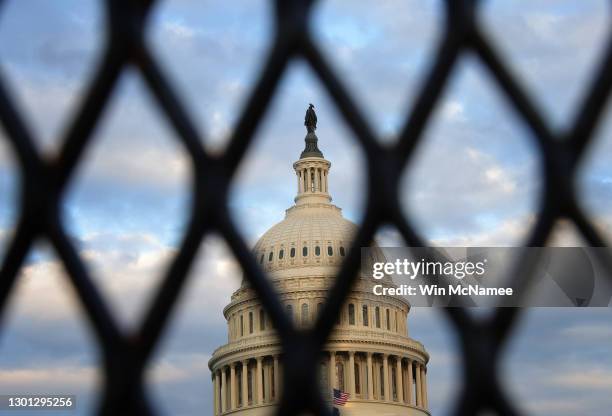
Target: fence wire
127 355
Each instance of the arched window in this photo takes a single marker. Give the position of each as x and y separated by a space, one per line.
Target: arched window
292 253
270 256
290 311
317 251
304 314
250 322
351 310
340 375
262 320
357 379
281 254
330 251
342 253
377 316
365 315
241 325
305 251
388 320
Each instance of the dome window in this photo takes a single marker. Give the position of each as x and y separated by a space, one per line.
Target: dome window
271 256
388 320
351 313
330 251
305 252
342 253
290 312
262 320
304 314
281 254
292 252
317 251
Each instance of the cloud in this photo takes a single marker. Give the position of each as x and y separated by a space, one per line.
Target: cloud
587 379
475 179
557 406
180 368
594 332
553 48
179 29
43 379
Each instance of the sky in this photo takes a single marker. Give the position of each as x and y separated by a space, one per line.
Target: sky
474 180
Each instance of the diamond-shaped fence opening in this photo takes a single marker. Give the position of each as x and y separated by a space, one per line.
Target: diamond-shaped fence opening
127 356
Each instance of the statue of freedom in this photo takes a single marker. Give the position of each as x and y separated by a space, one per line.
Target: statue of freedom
310 121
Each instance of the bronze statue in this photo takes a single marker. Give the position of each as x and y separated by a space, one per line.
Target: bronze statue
310 121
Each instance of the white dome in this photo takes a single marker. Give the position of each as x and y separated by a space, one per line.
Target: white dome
311 235
302 255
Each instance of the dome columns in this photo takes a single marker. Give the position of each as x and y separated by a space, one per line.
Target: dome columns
379 377
248 385
223 391
245 383
351 377
409 389
387 390
366 376
370 369
399 373
312 174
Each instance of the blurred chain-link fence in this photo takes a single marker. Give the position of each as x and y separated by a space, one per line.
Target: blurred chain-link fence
125 357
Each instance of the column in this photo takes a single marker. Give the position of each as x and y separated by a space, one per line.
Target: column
424 387
258 382
386 377
351 373
332 369
245 383
276 380
308 180
300 182
268 392
419 398
370 372
223 391
410 386
232 386
398 379
216 400
317 183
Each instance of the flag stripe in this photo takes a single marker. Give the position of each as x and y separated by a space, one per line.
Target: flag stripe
340 397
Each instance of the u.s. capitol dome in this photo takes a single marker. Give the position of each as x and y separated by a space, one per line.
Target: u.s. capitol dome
369 355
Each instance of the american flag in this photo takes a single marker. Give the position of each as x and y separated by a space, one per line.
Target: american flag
340 397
